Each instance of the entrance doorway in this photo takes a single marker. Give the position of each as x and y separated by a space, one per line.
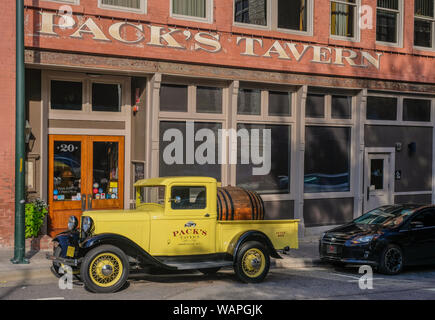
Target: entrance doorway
378 181
85 172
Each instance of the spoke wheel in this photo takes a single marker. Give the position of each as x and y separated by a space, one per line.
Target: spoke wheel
252 262
105 269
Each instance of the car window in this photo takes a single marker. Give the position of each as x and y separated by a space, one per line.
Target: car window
188 197
427 218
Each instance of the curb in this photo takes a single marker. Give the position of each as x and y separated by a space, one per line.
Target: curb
25 275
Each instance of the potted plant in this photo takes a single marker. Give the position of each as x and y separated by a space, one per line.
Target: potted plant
35 212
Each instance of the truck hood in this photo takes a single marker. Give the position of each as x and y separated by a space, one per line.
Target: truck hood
143 213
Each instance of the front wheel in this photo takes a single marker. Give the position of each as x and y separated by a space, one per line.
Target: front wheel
391 261
252 262
105 269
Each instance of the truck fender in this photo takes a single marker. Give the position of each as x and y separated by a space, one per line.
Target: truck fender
259 236
129 247
65 239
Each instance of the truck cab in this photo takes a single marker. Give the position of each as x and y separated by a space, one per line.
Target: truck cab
174 226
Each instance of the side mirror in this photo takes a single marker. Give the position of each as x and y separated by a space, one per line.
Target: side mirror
176 200
417 225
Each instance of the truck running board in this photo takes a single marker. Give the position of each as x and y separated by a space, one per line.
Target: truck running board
200 264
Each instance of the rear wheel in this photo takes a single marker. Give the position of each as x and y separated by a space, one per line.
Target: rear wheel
391 260
105 269
252 262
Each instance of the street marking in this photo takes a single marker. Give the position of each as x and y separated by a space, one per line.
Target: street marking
53 298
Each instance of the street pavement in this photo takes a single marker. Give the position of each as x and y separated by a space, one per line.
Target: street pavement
300 275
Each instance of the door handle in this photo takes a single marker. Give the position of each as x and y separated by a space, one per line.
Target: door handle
83 202
89 201
206 215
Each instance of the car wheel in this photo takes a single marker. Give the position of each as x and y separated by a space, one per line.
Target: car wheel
391 260
252 262
209 271
105 269
56 265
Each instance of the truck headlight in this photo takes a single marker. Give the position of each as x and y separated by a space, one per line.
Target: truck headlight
72 223
87 224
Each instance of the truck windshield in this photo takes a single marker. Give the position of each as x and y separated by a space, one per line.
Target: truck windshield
152 194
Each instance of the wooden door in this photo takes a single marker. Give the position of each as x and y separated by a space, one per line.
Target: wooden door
85 172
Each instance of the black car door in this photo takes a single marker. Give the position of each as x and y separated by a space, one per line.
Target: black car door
422 237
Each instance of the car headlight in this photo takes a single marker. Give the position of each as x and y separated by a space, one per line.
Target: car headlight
364 239
87 224
72 223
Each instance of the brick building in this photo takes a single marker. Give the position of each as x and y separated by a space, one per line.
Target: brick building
346 88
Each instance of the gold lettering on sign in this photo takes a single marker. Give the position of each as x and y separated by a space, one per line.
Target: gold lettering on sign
320 54
277 48
48 25
298 55
156 37
250 45
115 32
90 27
350 59
202 40
372 60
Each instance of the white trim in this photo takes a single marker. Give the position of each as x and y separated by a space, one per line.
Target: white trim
399 25
429 19
356 29
208 13
255 26
73 2
412 193
142 9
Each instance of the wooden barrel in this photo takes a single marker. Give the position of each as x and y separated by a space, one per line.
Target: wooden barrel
234 203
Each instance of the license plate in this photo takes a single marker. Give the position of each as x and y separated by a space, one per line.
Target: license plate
331 249
70 251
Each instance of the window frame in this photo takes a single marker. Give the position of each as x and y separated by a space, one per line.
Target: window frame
72 2
209 8
399 25
143 7
424 18
356 28
399 114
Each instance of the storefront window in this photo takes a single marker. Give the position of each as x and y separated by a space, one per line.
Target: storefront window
416 110
251 12
327 159
67 171
249 102
277 180
280 103
315 106
106 97
208 100
66 95
105 183
381 108
341 107
187 151
173 98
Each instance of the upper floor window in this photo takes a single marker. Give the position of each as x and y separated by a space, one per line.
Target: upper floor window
424 21
293 15
251 12
127 5
344 18
388 15
192 9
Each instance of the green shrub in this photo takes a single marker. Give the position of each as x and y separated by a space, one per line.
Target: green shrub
35 213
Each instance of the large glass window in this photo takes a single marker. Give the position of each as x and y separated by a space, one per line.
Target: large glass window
387 21
280 103
424 21
66 95
191 8
249 102
251 12
277 180
106 97
173 98
343 18
67 170
416 110
327 159
381 108
292 14
189 149
105 170
315 106
208 100
341 107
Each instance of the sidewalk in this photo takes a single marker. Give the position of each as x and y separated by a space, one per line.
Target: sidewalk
39 267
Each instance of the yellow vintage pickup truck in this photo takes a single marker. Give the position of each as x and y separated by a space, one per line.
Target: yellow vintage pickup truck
179 223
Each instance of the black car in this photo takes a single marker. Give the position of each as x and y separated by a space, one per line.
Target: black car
387 238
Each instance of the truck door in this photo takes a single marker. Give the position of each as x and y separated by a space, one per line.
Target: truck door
188 226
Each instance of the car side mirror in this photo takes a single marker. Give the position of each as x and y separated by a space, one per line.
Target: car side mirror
176 200
417 225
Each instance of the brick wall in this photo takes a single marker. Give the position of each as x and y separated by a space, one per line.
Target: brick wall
7 122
